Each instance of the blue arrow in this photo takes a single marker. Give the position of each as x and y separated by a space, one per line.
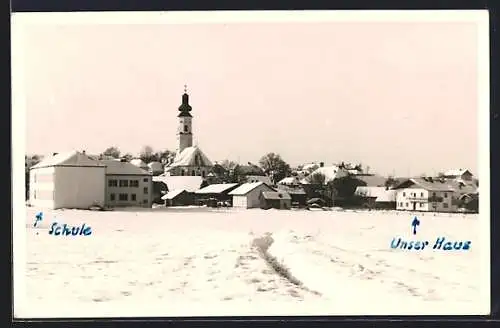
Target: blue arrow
39 217
414 224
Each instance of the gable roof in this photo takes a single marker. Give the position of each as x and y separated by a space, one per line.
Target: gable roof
330 172
257 178
247 187
122 168
172 194
188 183
188 158
72 158
216 188
456 172
289 181
274 195
437 185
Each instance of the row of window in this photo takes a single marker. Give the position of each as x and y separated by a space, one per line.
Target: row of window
125 183
414 194
124 198
401 204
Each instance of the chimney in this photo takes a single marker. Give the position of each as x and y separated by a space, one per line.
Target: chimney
54 154
321 164
83 152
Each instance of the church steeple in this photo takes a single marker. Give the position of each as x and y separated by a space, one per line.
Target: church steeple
184 131
185 108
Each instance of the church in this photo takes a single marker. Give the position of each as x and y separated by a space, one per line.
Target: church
189 160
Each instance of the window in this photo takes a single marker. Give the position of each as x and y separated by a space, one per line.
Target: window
421 204
445 195
192 173
123 183
134 183
112 197
185 128
182 172
406 204
145 180
145 201
145 190
123 197
132 197
421 194
404 194
112 183
203 173
445 205
433 194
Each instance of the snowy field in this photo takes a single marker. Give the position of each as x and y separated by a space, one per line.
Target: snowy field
202 262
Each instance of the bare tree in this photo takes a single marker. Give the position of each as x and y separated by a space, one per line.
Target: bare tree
317 178
275 166
147 154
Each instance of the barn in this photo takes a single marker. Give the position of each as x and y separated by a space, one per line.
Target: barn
218 192
178 197
247 195
275 199
68 180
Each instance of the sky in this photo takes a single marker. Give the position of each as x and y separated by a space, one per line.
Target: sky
399 97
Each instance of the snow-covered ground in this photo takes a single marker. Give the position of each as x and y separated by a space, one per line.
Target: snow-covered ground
198 261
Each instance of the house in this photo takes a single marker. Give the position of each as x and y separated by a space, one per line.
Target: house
275 199
218 192
459 174
178 197
330 172
165 183
430 194
127 185
376 197
258 178
67 180
247 195
297 193
289 181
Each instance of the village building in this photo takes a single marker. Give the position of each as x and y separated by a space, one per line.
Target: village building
247 195
275 199
189 160
178 197
215 193
67 180
330 173
376 197
458 174
431 194
258 178
164 184
127 185
296 192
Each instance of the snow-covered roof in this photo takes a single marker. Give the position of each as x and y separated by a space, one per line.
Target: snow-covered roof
72 158
191 156
456 172
122 168
259 178
387 196
276 195
188 183
310 167
216 188
139 163
172 194
331 172
247 187
289 181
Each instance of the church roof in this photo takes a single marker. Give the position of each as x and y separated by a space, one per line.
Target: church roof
188 157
